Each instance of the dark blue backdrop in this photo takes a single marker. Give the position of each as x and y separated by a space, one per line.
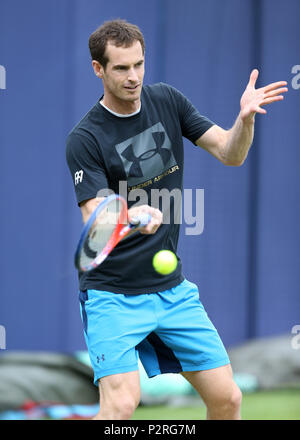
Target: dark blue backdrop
247 261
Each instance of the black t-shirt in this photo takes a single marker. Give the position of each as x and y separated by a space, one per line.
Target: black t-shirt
146 151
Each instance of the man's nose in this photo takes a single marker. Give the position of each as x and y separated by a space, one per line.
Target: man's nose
132 75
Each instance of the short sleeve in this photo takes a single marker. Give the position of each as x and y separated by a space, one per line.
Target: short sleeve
86 167
193 124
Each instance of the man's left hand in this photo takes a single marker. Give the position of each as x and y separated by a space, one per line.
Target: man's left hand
253 99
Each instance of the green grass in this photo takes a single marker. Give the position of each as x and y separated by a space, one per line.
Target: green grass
263 405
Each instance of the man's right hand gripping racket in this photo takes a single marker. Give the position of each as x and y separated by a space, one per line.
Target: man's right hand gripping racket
106 227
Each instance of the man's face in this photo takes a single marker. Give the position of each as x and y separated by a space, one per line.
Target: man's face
124 72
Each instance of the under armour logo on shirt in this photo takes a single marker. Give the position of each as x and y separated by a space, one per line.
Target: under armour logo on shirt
135 170
146 155
78 177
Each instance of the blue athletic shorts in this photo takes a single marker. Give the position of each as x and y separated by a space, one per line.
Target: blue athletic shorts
168 331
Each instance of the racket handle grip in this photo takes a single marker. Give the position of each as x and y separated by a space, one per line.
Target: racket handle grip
141 220
144 219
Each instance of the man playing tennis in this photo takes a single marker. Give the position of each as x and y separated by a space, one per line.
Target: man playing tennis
130 312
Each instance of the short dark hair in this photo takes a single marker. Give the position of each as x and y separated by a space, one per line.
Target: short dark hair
120 32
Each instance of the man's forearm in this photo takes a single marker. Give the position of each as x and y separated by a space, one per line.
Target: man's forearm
240 138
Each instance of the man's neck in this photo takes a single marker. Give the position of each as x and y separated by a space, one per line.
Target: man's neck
121 115
120 106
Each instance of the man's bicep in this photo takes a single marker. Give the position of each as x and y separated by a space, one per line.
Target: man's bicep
214 141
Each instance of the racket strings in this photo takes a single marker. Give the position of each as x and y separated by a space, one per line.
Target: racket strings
101 232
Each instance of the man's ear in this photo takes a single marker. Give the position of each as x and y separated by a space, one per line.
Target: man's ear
98 69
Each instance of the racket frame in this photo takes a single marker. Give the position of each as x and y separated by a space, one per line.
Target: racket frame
120 231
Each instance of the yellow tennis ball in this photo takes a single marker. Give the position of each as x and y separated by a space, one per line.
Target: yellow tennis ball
164 262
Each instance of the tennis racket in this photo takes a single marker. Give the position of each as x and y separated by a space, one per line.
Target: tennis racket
106 227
